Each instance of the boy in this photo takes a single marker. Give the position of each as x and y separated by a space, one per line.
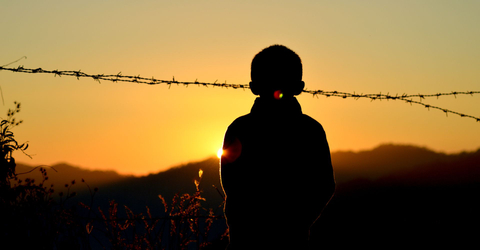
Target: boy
276 169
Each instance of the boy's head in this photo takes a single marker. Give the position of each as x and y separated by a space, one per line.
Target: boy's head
276 72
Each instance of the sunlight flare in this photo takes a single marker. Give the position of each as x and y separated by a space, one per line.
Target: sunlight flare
220 153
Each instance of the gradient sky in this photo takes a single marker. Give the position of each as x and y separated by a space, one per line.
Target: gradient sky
363 46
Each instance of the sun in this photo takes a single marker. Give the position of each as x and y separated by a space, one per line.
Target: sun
220 152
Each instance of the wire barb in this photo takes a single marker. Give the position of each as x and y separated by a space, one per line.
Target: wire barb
315 93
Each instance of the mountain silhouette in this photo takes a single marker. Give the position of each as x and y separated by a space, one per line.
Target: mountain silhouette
389 196
402 196
381 161
139 192
62 173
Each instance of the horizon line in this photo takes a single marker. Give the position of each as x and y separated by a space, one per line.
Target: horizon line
213 155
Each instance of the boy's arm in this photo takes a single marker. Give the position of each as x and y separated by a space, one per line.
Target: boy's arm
232 148
326 177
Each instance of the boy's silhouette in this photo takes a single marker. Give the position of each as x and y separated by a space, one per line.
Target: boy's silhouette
276 169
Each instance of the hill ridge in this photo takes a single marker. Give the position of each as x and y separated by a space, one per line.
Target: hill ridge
380 193
338 155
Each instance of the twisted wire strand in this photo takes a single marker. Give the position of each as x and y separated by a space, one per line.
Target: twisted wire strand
152 81
387 96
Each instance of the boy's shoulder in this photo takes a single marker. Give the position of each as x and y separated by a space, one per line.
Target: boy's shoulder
311 120
241 121
248 119
312 124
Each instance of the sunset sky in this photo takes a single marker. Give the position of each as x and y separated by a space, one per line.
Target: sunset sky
410 46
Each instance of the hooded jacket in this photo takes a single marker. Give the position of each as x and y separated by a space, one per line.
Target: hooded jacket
277 175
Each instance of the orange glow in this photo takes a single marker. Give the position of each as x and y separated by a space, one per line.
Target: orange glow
140 129
220 153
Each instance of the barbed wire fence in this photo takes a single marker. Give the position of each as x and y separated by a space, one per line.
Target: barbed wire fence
153 81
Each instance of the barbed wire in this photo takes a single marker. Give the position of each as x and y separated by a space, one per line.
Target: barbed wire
387 96
153 81
121 78
404 97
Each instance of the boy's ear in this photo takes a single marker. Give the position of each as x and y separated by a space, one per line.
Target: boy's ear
298 88
255 88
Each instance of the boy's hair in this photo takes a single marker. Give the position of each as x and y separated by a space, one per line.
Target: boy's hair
276 65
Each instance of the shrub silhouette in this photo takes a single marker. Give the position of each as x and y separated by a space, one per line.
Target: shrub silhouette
8 145
36 217
32 217
184 224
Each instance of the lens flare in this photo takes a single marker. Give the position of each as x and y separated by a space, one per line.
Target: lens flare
278 94
220 153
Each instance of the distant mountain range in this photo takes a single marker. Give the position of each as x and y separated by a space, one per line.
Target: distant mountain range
61 174
401 163
390 195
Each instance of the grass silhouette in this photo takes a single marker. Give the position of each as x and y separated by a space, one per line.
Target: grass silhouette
36 216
